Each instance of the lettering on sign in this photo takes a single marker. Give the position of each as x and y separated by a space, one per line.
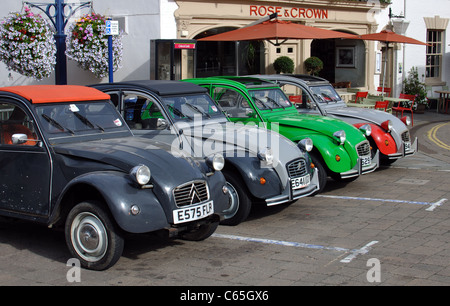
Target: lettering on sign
294 12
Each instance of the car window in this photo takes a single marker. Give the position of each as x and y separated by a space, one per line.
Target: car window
191 106
270 98
300 98
78 117
141 112
325 93
14 120
232 102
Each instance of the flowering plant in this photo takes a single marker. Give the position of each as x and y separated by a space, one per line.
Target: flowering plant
27 45
87 44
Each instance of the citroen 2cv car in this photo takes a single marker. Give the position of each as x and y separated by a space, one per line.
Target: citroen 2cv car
261 166
390 135
340 150
68 158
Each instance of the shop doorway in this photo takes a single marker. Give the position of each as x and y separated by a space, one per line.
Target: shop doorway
228 57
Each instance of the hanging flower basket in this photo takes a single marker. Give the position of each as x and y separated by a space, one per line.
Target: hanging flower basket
87 44
27 45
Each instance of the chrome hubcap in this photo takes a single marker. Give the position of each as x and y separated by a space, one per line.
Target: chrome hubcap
89 237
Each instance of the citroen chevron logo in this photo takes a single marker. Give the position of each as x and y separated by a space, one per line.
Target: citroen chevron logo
193 195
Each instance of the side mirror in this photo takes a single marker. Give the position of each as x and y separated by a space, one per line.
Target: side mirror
161 124
19 138
249 112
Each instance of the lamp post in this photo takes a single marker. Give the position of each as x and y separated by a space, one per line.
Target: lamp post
59 14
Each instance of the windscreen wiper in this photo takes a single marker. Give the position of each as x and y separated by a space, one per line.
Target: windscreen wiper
87 122
177 112
197 109
56 124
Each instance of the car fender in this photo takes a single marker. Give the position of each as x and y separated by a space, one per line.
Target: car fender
383 140
119 193
251 170
337 158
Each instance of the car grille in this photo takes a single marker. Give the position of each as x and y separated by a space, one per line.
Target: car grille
191 193
297 168
406 137
363 149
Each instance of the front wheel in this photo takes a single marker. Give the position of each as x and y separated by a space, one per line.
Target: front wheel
201 233
322 173
92 237
240 202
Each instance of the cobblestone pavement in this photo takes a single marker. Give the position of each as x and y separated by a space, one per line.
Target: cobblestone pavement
390 227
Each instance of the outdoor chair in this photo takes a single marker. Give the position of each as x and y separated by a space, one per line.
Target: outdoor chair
361 94
400 109
382 105
386 90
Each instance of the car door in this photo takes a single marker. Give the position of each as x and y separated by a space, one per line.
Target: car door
24 167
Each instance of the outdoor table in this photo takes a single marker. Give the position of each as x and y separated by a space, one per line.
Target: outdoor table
443 96
394 100
361 105
346 96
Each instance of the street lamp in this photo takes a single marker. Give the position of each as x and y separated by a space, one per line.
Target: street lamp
56 12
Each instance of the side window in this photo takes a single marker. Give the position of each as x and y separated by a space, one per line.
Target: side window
141 112
232 102
14 120
300 98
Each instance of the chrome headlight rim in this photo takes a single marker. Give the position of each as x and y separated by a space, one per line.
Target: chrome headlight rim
141 174
366 129
216 162
406 120
266 155
306 144
341 137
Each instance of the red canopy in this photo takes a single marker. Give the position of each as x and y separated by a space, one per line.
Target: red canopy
389 36
277 30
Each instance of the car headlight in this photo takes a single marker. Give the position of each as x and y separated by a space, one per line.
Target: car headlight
266 155
306 144
387 125
340 135
141 174
406 120
366 129
216 162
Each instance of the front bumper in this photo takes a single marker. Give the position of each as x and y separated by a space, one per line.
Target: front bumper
359 169
406 150
289 194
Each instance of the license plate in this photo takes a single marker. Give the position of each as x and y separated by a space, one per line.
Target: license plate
193 213
407 146
300 182
366 161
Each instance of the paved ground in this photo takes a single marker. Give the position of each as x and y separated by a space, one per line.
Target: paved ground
390 227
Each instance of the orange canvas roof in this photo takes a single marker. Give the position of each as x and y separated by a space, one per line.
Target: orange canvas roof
56 93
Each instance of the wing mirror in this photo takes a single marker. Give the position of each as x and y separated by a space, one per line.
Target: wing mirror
18 139
161 124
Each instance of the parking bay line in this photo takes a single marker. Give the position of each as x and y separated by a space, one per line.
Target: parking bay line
353 253
431 207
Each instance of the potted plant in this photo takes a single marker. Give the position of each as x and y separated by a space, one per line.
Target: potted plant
283 64
313 65
87 44
412 86
27 45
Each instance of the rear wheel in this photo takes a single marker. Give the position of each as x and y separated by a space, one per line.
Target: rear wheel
93 237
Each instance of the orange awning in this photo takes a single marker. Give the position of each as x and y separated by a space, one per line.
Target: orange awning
389 36
277 30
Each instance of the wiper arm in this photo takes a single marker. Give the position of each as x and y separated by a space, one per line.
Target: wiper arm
276 102
178 112
87 122
197 109
262 102
56 124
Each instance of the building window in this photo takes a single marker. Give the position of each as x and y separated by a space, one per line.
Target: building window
434 54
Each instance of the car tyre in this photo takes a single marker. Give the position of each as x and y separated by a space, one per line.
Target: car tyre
92 236
203 232
322 173
240 202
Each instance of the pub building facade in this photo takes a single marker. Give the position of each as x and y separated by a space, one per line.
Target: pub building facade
345 60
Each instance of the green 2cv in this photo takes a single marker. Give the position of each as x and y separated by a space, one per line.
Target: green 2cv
340 150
